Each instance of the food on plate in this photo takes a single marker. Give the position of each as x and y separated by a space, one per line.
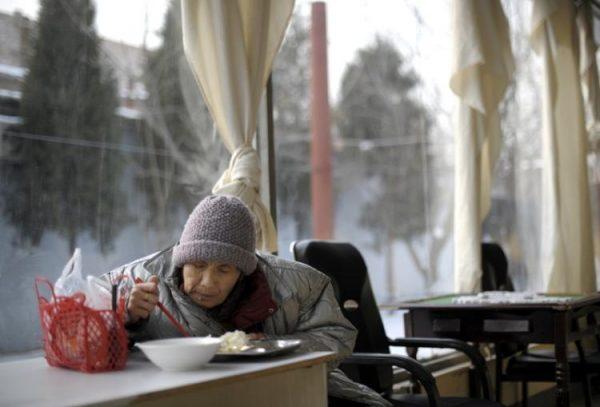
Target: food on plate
232 342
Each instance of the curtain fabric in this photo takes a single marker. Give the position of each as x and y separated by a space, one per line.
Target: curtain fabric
588 69
230 45
566 247
482 67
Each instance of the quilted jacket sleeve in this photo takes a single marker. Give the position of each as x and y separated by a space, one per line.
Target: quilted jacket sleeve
154 326
311 313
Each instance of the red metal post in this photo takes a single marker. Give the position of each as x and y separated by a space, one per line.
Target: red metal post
322 197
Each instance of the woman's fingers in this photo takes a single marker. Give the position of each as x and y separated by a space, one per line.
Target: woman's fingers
143 299
139 312
147 305
149 287
144 296
140 309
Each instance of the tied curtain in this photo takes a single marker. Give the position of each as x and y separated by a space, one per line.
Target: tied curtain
230 46
482 68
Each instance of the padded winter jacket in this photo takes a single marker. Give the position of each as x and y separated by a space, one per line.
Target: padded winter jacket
307 310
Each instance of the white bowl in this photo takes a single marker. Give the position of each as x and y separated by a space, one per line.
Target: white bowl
177 354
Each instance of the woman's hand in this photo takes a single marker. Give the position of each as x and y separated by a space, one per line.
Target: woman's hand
142 300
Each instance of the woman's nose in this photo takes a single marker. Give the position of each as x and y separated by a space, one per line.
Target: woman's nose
208 278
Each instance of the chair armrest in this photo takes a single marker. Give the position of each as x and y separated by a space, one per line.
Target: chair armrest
411 365
470 351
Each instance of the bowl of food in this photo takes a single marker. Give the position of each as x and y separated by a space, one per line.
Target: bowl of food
179 354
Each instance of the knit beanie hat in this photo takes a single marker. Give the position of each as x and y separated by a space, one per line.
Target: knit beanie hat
220 228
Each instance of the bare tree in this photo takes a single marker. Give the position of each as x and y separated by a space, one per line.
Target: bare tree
179 126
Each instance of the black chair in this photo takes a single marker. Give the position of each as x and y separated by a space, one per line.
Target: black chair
494 267
530 366
495 277
373 363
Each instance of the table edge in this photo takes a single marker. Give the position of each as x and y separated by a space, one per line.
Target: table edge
324 357
419 305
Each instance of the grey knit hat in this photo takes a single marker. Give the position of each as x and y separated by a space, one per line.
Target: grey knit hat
220 228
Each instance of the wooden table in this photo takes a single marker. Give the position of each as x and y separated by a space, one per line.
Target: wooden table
295 380
547 323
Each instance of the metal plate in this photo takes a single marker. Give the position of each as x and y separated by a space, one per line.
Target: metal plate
261 349
506 325
446 325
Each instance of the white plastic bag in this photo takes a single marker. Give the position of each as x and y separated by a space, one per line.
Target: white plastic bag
71 281
97 295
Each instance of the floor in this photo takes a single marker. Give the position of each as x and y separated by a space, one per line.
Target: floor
546 399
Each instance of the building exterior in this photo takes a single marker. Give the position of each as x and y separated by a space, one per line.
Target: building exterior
16 38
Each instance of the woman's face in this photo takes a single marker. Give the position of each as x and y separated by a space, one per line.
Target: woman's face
209 284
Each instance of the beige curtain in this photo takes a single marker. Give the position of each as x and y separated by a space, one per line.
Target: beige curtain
230 45
566 246
588 69
481 70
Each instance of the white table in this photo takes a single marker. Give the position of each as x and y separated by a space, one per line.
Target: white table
294 380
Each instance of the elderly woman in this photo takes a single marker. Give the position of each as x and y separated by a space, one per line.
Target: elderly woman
213 281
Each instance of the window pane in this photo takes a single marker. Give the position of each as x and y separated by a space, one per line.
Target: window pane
391 138
514 219
105 144
392 135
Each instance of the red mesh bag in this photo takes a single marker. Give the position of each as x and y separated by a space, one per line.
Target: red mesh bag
78 337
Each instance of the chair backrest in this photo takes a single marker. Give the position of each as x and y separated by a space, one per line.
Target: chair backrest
495 277
343 263
494 266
